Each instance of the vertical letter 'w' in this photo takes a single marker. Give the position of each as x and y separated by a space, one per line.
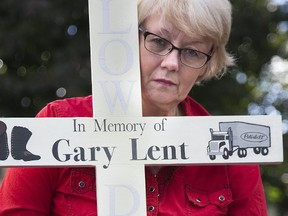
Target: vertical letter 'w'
118 94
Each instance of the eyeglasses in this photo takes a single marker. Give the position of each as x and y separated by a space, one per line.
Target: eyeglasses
160 46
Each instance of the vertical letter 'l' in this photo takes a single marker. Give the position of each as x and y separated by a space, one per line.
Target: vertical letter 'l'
106 20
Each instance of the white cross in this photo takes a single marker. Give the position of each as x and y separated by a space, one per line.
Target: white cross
118 140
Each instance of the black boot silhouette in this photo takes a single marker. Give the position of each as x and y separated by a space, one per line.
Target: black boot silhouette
19 140
4 151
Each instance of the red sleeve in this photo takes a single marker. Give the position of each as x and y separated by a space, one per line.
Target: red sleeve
47 111
70 107
28 191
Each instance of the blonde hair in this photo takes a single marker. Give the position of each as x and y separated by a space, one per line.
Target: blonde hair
210 19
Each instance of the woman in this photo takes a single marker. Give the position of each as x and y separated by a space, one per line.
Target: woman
182 42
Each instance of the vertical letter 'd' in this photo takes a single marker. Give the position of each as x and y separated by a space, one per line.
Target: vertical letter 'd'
113 189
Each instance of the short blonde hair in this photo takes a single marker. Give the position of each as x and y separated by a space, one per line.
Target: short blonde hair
210 19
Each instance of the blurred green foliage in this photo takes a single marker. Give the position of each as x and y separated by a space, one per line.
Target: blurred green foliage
45 55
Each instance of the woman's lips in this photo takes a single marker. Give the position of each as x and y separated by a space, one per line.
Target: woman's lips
165 82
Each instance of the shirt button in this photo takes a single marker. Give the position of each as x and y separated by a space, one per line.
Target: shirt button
222 198
151 208
151 189
81 184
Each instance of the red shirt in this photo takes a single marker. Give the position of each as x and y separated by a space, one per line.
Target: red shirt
189 190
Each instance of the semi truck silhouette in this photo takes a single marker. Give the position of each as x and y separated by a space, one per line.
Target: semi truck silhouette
238 136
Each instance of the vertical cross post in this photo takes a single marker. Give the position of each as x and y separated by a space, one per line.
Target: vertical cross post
116 92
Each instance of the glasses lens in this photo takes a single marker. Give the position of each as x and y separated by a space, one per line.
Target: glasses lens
193 58
160 46
157 45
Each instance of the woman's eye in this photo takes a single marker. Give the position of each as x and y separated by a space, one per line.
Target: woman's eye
159 42
191 53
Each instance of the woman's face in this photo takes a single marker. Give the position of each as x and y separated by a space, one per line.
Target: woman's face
165 81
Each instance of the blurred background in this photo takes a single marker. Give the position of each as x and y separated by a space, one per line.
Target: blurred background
45 55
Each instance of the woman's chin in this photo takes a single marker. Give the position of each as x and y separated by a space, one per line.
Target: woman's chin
161 100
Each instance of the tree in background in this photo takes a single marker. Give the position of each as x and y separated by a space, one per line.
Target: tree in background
45 55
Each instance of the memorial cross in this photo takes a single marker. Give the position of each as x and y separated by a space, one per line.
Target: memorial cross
118 141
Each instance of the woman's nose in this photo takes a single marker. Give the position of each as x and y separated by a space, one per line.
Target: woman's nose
171 61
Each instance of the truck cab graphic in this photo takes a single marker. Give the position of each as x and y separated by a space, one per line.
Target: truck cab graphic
238 136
